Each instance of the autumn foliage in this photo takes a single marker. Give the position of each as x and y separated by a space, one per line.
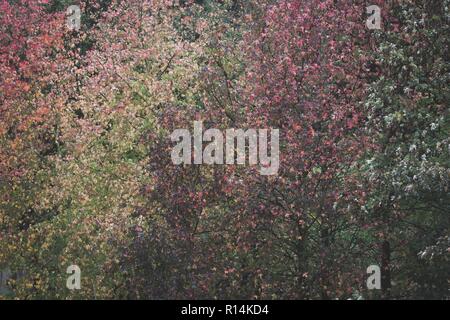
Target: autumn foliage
86 176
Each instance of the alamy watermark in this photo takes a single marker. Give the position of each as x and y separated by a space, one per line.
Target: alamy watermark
374 280
74 280
73 17
374 20
236 147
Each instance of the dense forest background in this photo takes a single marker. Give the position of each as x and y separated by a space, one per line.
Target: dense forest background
85 171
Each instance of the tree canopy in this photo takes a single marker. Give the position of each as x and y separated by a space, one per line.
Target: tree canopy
86 176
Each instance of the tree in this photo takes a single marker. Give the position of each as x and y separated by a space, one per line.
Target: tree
408 168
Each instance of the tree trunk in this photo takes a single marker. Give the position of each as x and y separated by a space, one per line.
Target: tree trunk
385 270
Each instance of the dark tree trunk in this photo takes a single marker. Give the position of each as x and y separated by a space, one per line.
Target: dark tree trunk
386 270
